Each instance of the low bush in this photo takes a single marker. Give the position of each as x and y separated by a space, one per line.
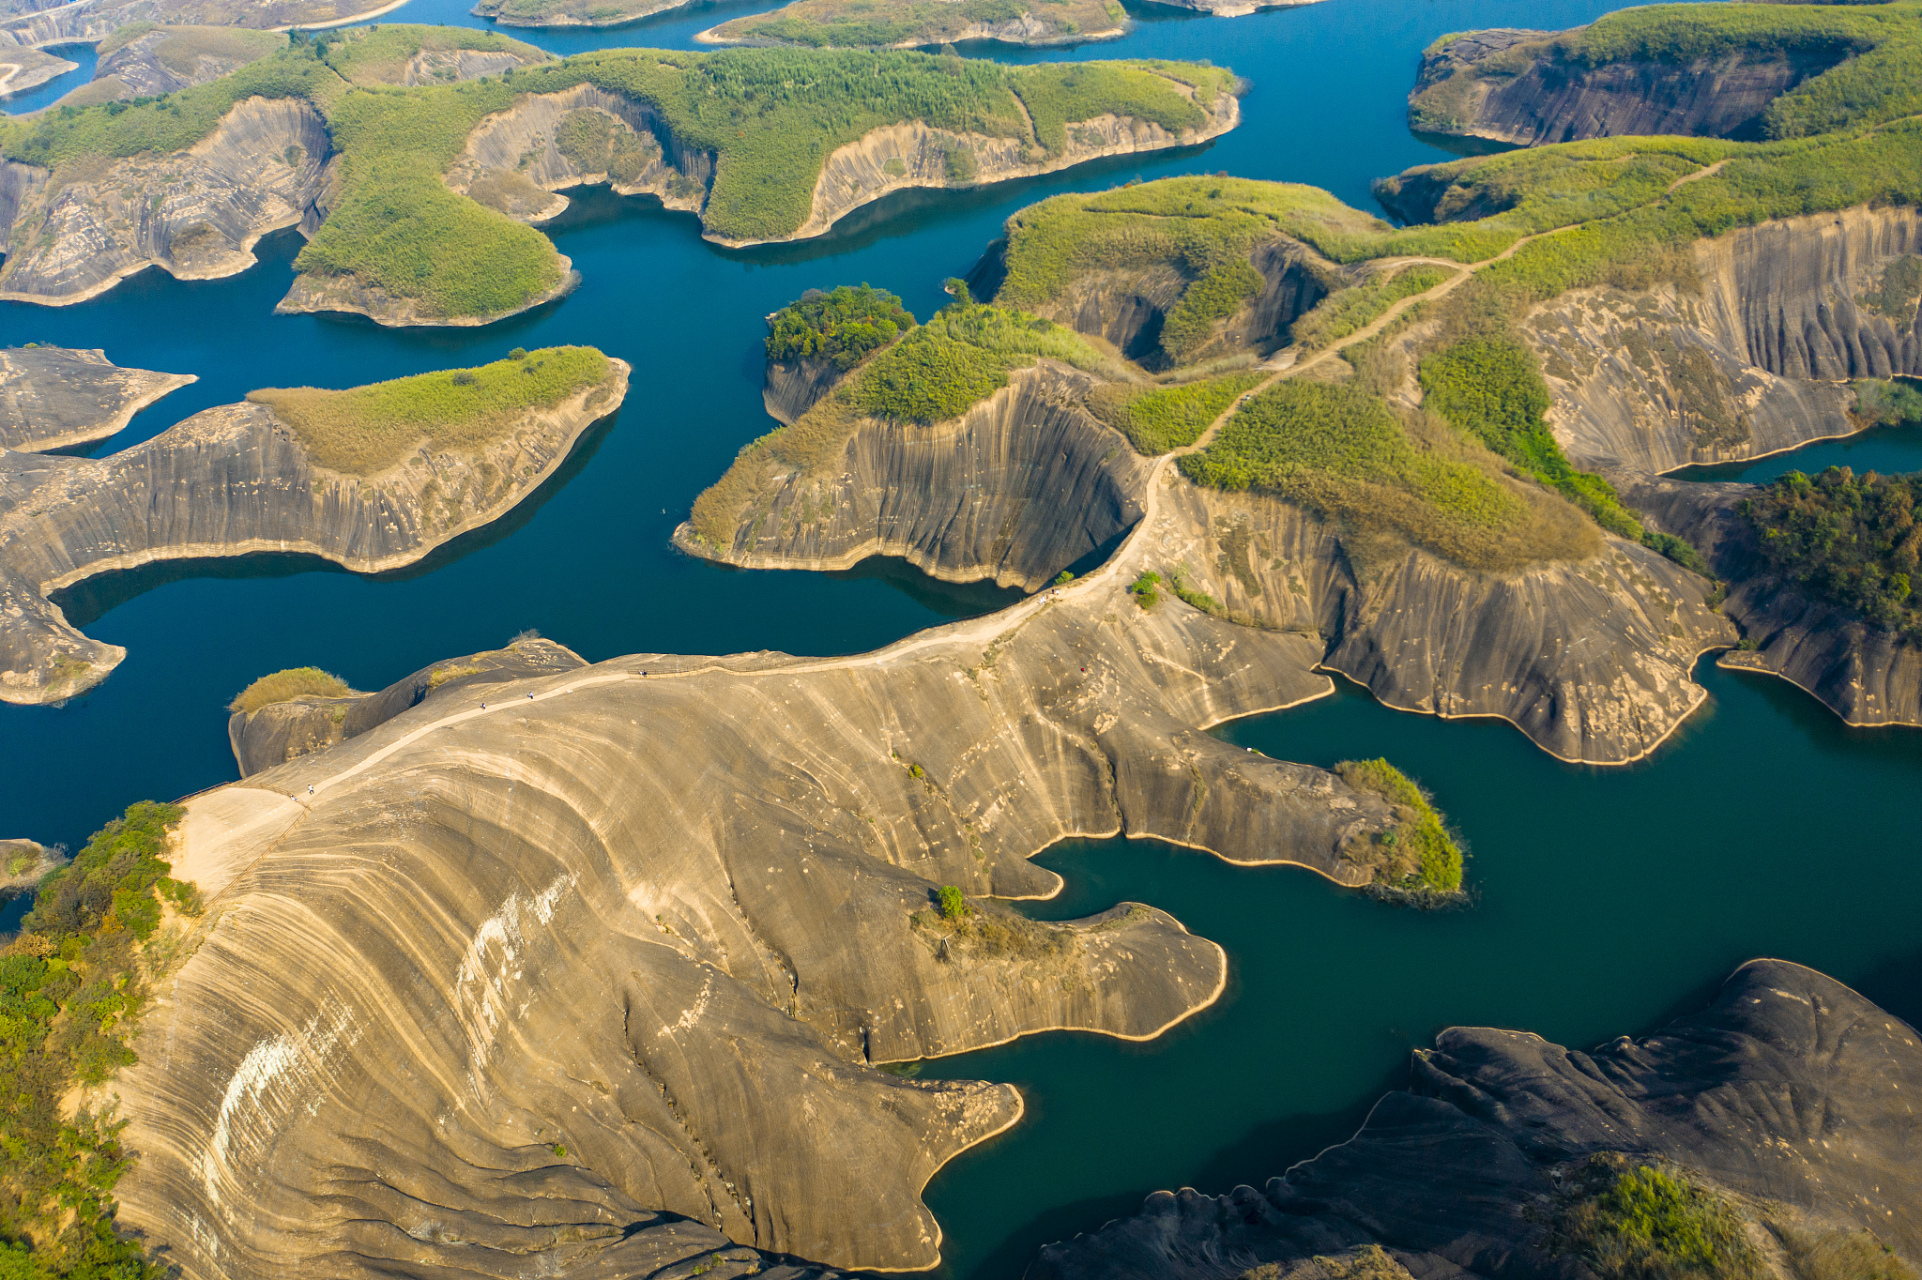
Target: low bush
954 904
284 686
1418 855
365 430
1146 589
1645 1222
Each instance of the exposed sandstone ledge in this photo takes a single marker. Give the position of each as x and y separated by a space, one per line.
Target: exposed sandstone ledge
1863 673
669 922
233 481
1520 87
1757 362
857 174
348 295
196 214
790 388
59 397
1590 659
92 21
1458 1176
23 68
1022 29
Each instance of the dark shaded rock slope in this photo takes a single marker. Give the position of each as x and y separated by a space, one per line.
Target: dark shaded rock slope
1528 88
235 480
58 397
1790 1092
790 388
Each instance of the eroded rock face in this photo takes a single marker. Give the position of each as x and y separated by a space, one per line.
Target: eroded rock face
58 397
140 68
1016 489
196 213
790 388
1521 87
23 68
1863 673
1789 1089
1756 361
486 991
230 481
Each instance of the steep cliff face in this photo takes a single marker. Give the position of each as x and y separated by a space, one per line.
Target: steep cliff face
1865 674
196 214
282 731
169 59
1589 658
791 387
914 155
515 160
231 481
1015 490
58 397
1529 88
489 990
1754 361
1463 1174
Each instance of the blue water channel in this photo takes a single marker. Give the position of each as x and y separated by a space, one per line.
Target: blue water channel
1607 900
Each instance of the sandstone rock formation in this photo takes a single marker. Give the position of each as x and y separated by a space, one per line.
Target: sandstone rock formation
167 59
57 397
1752 357
1789 1093
196 213
807 23
281 731
1591 659
1528 87
23 68
91 21
790 388
589 972
231 481
570 13
1863 673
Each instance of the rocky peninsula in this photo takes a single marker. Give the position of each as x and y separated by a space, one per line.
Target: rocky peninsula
920 24
60 398
298 471
1515 1158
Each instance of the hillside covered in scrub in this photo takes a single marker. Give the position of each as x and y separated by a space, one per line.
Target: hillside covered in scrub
908 24
429 180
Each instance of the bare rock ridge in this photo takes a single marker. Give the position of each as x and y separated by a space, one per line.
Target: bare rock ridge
1590 659
1863 673
589 972
1529 88
1756 360
281 731
23 68
790 388
231 481
58 397
1461 1174
196 213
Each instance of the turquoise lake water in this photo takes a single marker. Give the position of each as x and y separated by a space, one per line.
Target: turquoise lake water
1608 900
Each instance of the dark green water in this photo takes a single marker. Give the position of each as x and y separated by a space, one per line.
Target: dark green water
1609 900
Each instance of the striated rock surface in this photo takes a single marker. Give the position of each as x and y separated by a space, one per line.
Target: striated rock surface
282 731
595 977
912 154
1533 87
1863 673
790 388
196 213
23 68
1590 658
1790 1093
1755 360
91 21
231 481
58 397
167 59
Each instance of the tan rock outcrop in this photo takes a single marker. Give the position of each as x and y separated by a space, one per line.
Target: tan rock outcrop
58 397
235 480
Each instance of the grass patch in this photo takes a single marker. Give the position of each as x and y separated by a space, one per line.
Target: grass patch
1644 1222
1348 310
365 430
284 686
820 24
1157 420
73 985
841 326
1852 540
1418 855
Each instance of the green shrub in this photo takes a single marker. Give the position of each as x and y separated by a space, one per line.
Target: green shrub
283 686
1853 541
1146 589
1641 1222
954 904
1418 855
364 430
842 325
1888 404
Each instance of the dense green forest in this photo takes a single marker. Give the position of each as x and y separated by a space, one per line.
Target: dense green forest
73 985
1853 540
842 325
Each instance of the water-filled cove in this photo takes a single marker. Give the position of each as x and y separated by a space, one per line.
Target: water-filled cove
1607 900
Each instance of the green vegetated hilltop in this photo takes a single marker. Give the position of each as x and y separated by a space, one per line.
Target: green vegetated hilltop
902 24
1873 52
840 326
74 982
770 117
